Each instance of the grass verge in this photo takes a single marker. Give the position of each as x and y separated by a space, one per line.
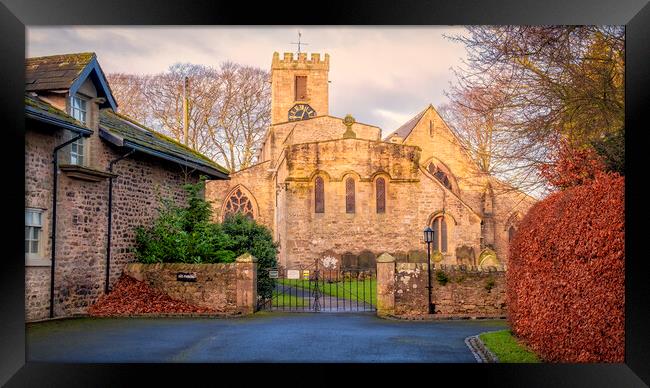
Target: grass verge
507 348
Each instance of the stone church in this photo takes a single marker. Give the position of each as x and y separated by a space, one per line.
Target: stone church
333 187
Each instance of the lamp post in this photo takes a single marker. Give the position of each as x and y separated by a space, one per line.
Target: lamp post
428 238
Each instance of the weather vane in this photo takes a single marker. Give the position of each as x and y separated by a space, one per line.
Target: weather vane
299 43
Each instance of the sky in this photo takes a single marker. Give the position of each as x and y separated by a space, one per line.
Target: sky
381 75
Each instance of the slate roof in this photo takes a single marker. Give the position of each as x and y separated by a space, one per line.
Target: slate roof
43 111
135 135
406 129
55 72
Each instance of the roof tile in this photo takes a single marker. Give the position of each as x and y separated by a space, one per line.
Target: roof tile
407 127
55 71
128 129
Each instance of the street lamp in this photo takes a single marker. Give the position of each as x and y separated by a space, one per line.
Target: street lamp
428 238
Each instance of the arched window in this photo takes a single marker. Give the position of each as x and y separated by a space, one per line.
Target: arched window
439 234
511 233
319 195
349 195
439 174
238 202
380 185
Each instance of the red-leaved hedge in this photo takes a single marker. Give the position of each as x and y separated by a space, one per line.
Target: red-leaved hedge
566 274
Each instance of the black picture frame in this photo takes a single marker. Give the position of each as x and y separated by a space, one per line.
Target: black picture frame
16 14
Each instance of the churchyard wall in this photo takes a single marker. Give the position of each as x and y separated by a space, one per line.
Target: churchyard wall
228 288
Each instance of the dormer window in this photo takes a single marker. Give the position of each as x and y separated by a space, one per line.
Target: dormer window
78 108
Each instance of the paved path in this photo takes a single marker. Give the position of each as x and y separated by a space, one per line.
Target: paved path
264 337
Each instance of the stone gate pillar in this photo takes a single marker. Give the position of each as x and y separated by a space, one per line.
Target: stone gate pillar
246 269
385 285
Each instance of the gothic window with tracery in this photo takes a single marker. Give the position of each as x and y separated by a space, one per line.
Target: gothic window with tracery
349 195
381 195
319 195
238 202
439 234
439 175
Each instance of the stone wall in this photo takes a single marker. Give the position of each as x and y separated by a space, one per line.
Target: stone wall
321 128
228 288
411 200
283 72
82 217
37 292
458 291
256 182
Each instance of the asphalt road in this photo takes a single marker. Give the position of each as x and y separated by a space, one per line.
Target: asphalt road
263 337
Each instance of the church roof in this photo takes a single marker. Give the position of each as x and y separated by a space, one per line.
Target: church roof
407 127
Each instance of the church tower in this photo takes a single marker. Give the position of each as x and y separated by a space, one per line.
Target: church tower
299 87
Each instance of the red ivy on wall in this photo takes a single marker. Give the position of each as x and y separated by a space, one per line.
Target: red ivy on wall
566 274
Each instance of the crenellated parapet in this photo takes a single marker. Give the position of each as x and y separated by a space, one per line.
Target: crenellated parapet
291 60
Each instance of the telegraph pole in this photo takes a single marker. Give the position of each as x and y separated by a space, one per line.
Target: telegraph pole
186 110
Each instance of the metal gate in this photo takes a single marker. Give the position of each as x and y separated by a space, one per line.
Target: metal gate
319 289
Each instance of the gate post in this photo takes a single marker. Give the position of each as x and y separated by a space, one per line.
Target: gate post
246 283
385 285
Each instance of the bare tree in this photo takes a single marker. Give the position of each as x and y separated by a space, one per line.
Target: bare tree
523 88
229 107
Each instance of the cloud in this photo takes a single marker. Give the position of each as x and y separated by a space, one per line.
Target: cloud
380 75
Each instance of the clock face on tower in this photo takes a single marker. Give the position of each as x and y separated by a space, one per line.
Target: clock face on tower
301 112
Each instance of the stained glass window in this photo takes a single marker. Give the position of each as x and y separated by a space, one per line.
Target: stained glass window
381 195
349 195
319 195
239 203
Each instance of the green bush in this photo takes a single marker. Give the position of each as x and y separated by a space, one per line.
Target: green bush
248 236
442 277
187 235
184 234
489 285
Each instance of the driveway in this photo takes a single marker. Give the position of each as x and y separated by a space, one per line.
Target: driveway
263 337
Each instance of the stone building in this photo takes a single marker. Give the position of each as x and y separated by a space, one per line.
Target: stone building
330 186
69 107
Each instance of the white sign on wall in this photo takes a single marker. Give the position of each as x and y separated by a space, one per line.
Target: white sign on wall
293 274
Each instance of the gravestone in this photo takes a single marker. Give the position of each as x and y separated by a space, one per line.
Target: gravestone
349 260
465 255
367 260
400 257
436 256
488 258
416 256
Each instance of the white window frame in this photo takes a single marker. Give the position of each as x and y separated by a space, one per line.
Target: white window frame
35 258
77 157
81 112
